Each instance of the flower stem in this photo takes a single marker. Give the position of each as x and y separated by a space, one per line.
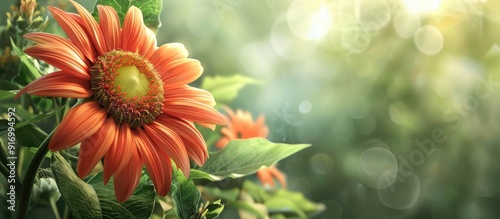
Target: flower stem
54 208
29 178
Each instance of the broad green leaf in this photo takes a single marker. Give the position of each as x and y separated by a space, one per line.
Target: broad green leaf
245 156
28 72
7 94
151 10
139 206
79 196
226 88
185 195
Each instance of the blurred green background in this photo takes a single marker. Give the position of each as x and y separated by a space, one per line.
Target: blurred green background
398 98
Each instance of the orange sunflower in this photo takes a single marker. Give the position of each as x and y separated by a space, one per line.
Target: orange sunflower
138 108
242 126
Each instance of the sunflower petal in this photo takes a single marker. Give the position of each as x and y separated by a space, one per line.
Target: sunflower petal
193 110
157 163
93 30
93 148
180 72
186 91
166 140
191 137
167 53
119 152
80 123
110 27
127 178
58 84
60 57
136 36
71 25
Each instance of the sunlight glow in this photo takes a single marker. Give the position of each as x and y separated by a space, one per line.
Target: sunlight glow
422 6
309 20
320 23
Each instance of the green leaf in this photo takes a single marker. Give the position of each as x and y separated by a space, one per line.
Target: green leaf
287 202
245 156
213 210
198 174
33 120
226 88
217 193
7 94
251 208
28 72
151 10
139 206
185 195
283 205
30 135
79 196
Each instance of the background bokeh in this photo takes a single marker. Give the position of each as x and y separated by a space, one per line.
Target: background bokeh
398 97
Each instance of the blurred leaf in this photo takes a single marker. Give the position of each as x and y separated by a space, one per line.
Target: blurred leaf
139 205
28 72
285 201
255 191
255 209
284 205
217 193
226 88
245 156
185 195
151 10
278 216
79 196
7 94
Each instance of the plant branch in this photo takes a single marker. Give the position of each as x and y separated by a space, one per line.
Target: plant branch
29 179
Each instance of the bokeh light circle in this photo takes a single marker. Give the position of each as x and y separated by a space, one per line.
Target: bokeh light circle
377 167
406 24
321 163
428 40
305 107
404 193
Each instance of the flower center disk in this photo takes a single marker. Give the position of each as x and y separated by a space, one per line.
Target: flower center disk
128 86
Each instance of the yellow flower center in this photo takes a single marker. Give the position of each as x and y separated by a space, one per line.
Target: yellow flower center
128 86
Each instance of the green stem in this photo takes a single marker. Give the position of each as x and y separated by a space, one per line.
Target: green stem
29 178
54 208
